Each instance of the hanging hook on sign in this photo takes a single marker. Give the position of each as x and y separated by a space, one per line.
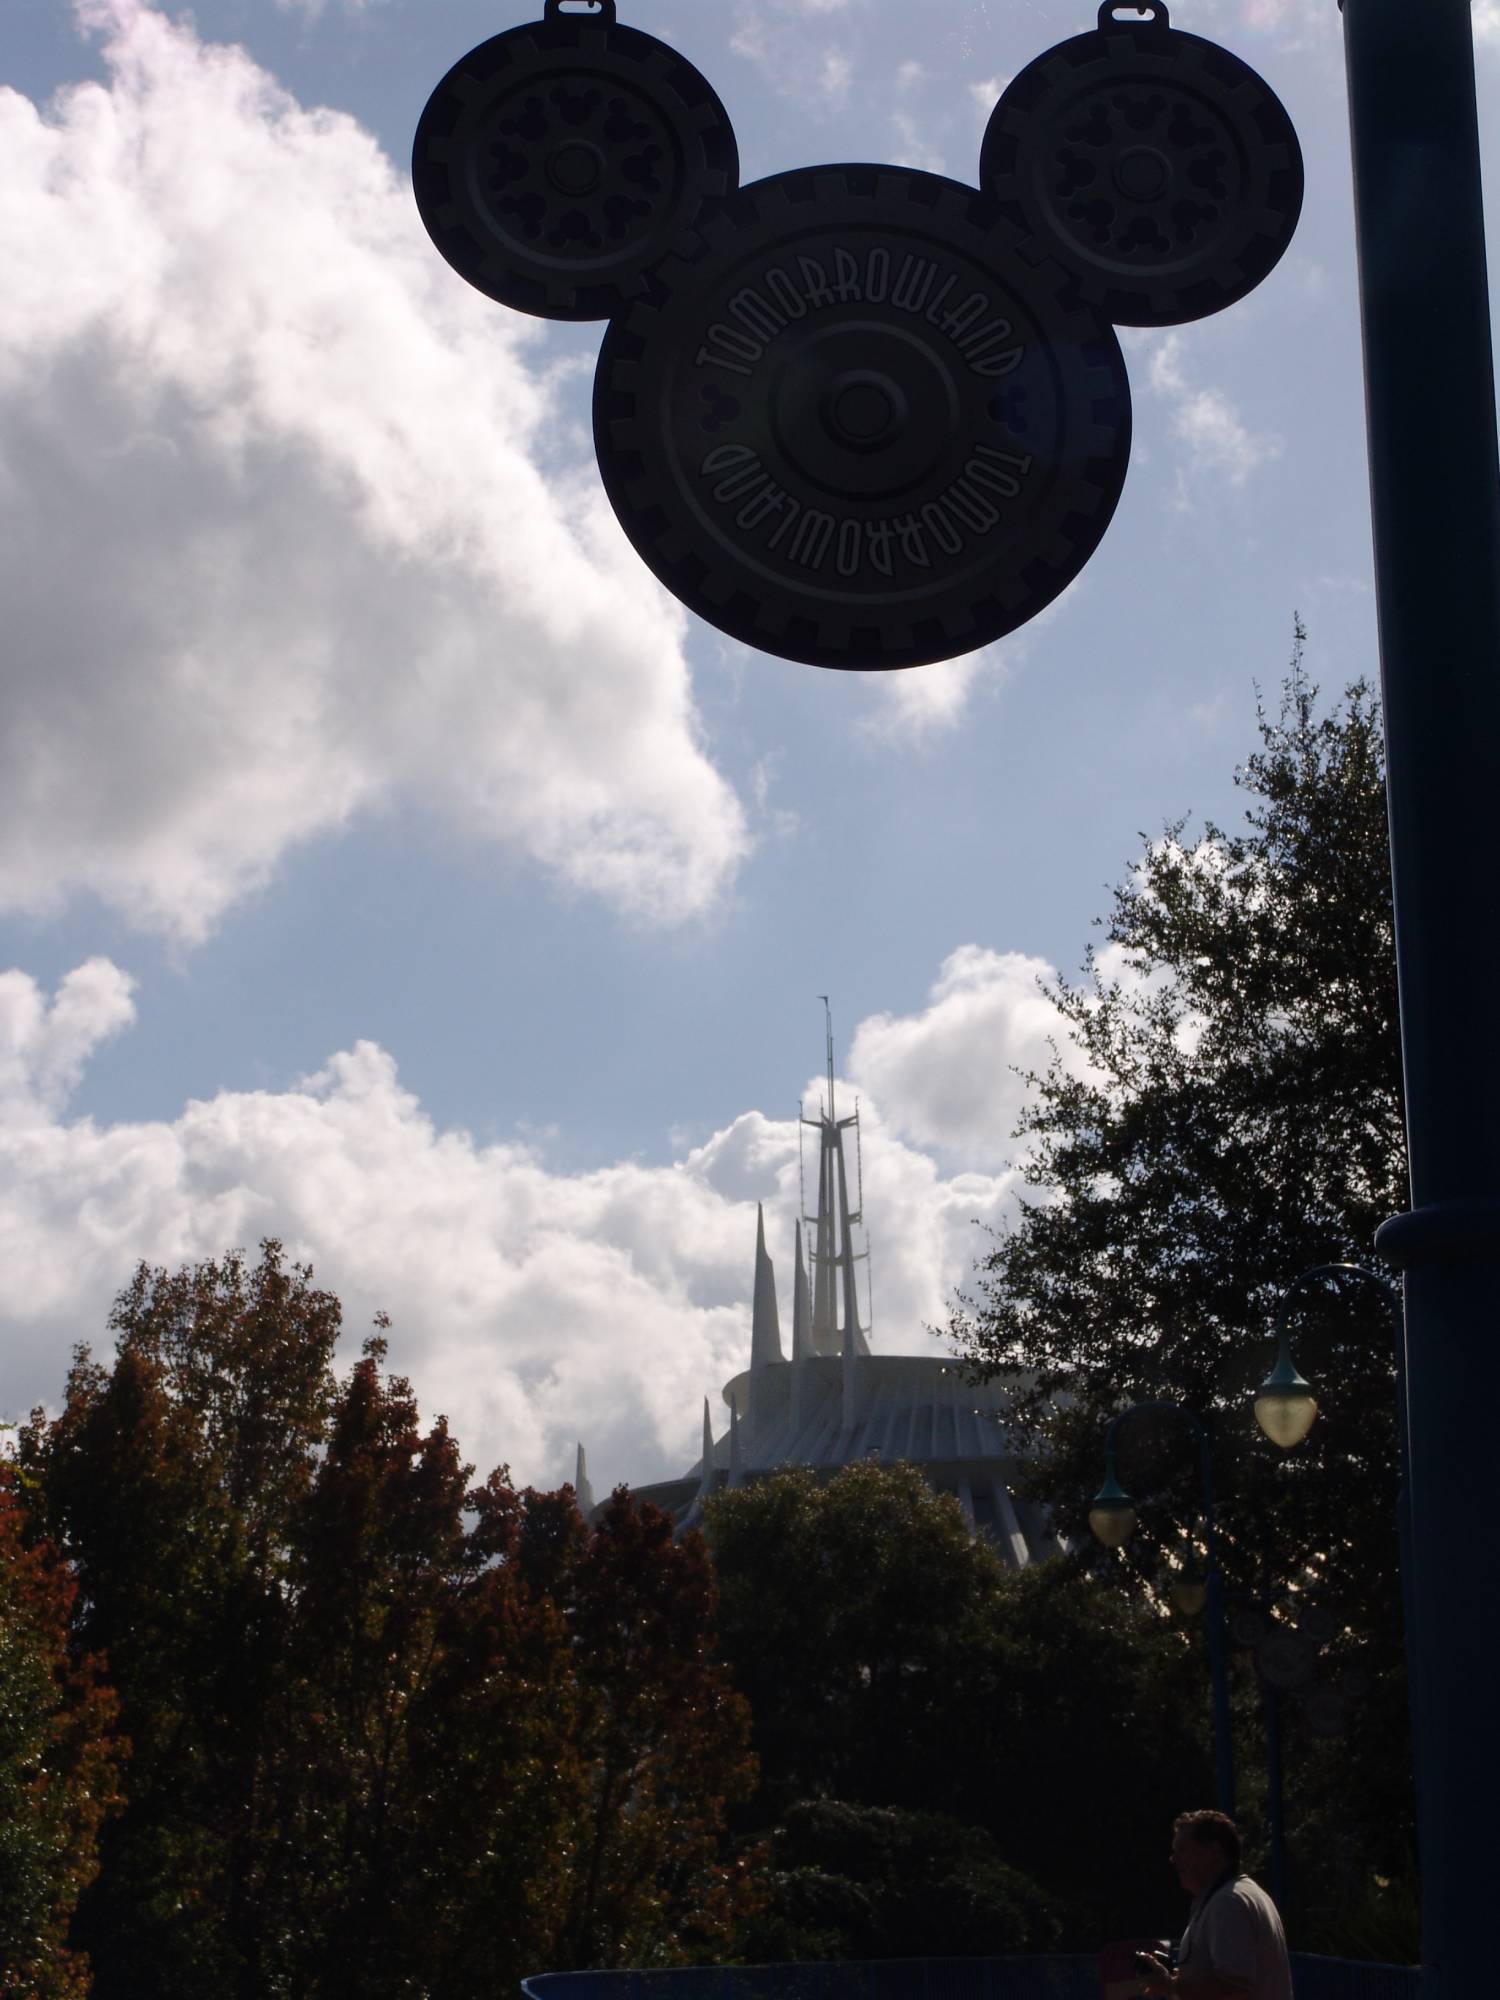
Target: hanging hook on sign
603 10
1118 13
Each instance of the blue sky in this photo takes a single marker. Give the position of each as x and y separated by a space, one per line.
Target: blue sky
387 864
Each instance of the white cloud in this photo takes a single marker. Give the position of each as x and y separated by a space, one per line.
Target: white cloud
986 94
787 41
45 1046
312 10
1218 444
916 145
918 704
530 1307
280 547
946 1077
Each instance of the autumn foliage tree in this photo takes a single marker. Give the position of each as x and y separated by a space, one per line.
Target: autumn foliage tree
60 1762
394 1734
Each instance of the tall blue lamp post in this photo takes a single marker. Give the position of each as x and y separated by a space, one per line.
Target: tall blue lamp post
1435 502
1112 1518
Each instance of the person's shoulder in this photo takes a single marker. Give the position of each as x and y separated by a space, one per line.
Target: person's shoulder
1247 1887
1246 1891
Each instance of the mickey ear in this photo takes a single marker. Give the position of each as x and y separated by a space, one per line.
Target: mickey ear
557 163
1156 167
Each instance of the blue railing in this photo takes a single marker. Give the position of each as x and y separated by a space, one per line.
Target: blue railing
1070 1976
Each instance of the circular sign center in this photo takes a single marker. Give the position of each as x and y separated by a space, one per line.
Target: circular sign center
865 410
576 168
1142 174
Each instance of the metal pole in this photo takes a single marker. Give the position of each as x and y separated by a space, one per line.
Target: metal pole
1223 1742
1273 1801
1217 1650
1391 1293
1435 493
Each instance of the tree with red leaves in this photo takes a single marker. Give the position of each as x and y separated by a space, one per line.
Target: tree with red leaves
394 1736
60 1759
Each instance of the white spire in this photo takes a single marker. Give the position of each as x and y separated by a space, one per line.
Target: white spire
801 1308
801 1333
736 1468
846 1262
706 1480
765 1323
824 1293
582 1491
851 1379
834 1256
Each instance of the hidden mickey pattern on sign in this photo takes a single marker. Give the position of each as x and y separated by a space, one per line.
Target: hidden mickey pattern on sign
859 415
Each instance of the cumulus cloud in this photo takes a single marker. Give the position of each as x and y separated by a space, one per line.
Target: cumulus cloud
916 146
924 703
45 1045
531 1307
799 48
1218 445
283 542
986 94
312 10
947 1076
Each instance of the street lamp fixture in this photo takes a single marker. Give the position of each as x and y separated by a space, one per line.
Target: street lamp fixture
1188 1586
1284 1403
1190 1593
1112 1516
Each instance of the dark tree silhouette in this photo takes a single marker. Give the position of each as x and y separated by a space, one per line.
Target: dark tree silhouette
898 1673
1235 1120
60 1761
393 1735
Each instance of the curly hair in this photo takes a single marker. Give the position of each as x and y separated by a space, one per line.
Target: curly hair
1212 1829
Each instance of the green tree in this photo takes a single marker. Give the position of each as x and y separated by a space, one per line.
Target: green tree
1228 1114
863 1882
848 1614
394 1735
60 1761
894 1667
668 1737
172 1480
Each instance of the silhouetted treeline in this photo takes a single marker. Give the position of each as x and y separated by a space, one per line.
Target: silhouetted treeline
376 1731
289 1707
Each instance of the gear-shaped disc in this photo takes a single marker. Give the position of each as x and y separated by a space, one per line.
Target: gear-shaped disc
558 162
855 428
1156 166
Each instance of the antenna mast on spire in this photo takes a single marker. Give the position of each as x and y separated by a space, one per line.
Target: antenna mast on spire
832 1256
828 1019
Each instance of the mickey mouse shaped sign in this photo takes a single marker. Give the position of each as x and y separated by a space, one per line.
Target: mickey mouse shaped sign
858 415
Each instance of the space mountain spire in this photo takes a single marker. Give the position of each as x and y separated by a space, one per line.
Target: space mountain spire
833 1403
765 1323
801 1335
834 1255
583 1493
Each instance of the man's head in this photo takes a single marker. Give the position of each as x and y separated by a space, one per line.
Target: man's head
1204 1844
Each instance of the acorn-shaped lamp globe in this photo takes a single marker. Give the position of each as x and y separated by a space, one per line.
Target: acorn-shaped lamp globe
1285 1405
1112 1516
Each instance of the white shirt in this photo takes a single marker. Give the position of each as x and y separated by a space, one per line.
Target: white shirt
1237 1934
